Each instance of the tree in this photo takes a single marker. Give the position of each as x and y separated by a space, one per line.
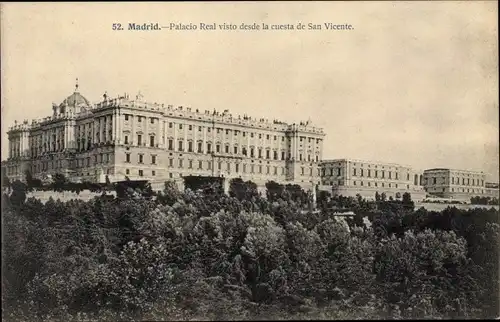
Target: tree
18 195
5 181
59 182
377 196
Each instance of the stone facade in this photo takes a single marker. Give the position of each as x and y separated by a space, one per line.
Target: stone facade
349 177
491 190
459 185
122 137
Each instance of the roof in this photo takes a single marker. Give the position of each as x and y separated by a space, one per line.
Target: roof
76 99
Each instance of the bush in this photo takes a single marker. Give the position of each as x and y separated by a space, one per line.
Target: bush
201 254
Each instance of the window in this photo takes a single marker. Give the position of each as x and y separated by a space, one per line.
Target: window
260 168
180 126
267 137
219 165
302 170
190 166
127 171
275 155
339 172
260 153
317 158
228 167
200 165
199 128
152 120
251 152
268 154
383 174
227 132
235 150
126 117
282 139
237 167
141 158
376 174
170 125
170 144
282 155
268 170
244 134
152 141
300 157
126 139
181 163
141 173
369 173
180 146
190 146
170 162
227 148
200 147
251 135
190 127
139 139
275 138
217 148
153 159
153 173
354 172
209 148
139 119
244 151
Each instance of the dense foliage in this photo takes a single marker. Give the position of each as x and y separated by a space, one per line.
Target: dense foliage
204 255
483 201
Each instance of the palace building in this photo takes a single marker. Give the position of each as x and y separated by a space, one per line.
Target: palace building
455 184
122 137
349 177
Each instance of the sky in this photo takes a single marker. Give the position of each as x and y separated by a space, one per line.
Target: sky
414 83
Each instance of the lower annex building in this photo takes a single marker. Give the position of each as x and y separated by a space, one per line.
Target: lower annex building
122 137
350 177
455 184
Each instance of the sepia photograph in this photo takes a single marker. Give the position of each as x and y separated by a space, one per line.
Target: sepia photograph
288 160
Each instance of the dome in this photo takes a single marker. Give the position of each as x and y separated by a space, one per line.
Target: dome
76 99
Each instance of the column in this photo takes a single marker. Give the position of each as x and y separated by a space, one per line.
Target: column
185 127
102 121
113 126
118 126
132 137
158 134
21 143
175 125
204 144
146 133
